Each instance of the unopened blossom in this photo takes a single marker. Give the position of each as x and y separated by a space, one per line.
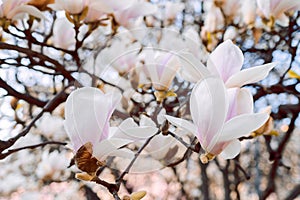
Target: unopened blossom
226 61
275 10
17 9
87 112
225 117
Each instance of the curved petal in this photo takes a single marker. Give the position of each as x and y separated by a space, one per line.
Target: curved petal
87 114
128 129
240 102
209 105
232 149
227 59
192 69
31 10
107 147
242 125
265 7
182 123
250 75
245 102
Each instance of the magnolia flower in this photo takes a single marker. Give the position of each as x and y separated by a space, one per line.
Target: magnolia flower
226 62
71 6
220 117
276 9
248 11
87 112
63 34
161 68
120 56
16 9
137 9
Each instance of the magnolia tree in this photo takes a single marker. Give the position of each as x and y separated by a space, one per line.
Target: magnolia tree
149 99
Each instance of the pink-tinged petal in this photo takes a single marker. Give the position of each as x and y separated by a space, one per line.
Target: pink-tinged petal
31 10
184 124
128 129
107 147
245 102
231 150
240 102
63 34
242 125
87 113
167 69
209 105
111 5
285 5
136 10
227 58
250 75
192 69
265 7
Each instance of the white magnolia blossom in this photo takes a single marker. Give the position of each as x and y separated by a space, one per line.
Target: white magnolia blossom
226 62
52 165
18 9
71 6
63 34
276 9
248 11
225 117
161 67
88 111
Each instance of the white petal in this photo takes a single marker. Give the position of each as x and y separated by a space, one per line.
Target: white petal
106 147
31 10
250 75
128 129
242 125
227 58
192 69
182 123
240 102
232 150
87 113
265 7
245 102
146 121
209 105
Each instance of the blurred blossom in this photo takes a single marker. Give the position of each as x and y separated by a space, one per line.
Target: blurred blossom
169 11
161 68
18 9
275 10
224 118
120 55
52 127
137 9
63 34
70 6
248 11
52 165
230 33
